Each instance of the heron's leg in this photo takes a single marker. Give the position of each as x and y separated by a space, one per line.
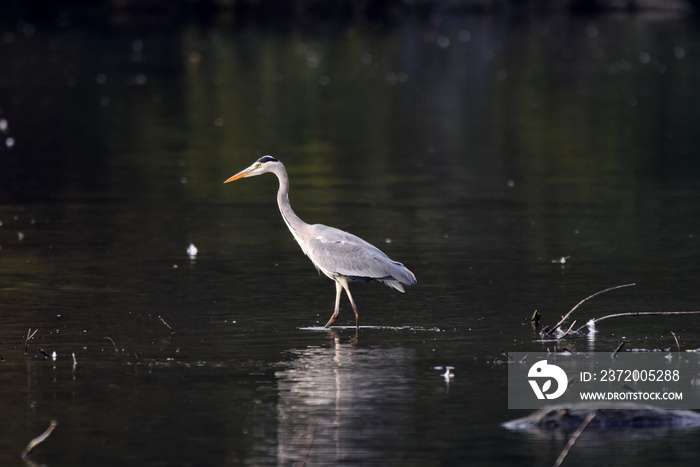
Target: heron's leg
338 290
346 286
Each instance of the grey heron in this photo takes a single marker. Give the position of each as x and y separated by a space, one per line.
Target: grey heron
340 255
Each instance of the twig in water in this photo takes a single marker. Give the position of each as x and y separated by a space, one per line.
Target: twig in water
39 439
303 462
677 344
556 326
567 331
641 313
112 341
619 347
30 335
573 438
172 331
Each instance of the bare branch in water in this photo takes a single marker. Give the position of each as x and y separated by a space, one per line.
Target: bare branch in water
39 439
646 313
619 347
567 331
172 331
676 339
564 318
30 335
573 438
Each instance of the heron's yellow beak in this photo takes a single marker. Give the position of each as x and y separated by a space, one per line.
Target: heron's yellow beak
240 174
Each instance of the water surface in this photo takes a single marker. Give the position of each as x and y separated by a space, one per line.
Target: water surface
477 150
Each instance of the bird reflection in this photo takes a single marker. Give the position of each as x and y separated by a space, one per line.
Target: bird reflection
345 404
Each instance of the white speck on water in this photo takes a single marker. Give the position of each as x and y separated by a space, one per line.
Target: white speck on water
9 142
591 326
3 125
54 355
192 250
448 375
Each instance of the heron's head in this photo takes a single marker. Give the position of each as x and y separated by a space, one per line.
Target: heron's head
263 165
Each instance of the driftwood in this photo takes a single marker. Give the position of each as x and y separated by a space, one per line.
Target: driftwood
548 331
638 313
553 329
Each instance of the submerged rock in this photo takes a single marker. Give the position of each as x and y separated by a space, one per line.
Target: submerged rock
568 417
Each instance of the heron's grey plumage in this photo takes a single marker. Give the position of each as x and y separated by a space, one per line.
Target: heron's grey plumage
340 255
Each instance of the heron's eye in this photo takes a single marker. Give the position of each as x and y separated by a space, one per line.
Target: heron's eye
257 166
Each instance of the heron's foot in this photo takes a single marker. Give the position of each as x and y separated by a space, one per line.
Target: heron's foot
330 321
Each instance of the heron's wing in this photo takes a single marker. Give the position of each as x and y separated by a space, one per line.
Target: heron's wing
336 252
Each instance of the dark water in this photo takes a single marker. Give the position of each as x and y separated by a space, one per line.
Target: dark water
475 149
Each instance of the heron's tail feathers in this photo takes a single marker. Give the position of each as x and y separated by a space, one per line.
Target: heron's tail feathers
400 276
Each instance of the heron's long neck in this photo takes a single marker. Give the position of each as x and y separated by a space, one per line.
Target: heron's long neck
295 224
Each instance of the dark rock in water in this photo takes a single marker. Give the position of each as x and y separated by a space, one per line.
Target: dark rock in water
568 417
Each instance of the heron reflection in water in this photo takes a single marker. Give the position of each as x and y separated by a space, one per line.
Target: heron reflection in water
340 255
